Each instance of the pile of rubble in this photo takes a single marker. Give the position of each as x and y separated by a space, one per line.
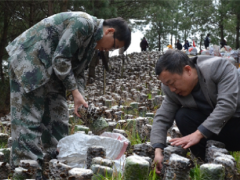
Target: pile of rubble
126 103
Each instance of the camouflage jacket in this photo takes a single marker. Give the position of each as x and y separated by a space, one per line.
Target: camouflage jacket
63 43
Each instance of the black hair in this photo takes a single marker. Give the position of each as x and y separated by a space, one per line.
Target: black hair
208 34
173 61
122 31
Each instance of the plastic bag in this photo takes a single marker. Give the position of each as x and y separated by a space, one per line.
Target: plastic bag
118 137
119 164
228 48
228 56
205 52
192 50
73 148
223 50
230 59
216 51
235 54
211 51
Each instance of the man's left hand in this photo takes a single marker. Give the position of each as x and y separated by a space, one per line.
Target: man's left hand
187 141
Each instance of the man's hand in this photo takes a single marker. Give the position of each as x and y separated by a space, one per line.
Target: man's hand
187 141
158 160
78 101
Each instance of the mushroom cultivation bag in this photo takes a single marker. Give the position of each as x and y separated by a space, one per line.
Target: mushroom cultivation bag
73 149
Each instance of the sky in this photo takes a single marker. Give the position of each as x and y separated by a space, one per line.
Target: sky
135 44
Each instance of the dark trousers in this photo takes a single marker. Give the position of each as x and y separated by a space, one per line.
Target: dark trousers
188 121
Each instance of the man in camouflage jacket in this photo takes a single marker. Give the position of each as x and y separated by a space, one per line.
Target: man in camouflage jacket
45 61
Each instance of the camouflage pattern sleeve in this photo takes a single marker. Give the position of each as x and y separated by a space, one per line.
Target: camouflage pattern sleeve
76 30
81 83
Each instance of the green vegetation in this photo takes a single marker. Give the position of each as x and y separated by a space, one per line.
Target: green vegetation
149 96
3 129
3 145
156 107
150 121
133 137
236 155
119 176
195 173
153 175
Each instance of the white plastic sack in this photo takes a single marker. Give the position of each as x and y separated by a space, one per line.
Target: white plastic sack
223 50
230 59
235 54
192 51
205 52
120 164
118 137
228 48
211 50
166 49
73 149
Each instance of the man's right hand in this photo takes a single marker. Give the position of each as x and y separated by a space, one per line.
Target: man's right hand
78 101
158 160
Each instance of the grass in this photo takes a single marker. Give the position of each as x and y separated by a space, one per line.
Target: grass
119 176
4 129
156 107
195 173
3 145
149 96
114 176
236 155
152 175
134 137
150 121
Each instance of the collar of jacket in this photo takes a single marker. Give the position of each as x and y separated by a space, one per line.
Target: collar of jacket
202 83
98 31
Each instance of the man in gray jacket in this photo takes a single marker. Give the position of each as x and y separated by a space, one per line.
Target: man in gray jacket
203 97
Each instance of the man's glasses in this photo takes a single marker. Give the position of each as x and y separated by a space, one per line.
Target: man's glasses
113 48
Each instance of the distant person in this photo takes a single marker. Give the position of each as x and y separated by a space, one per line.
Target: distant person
179 45
144 44
207 41
170 46
223 43
186 45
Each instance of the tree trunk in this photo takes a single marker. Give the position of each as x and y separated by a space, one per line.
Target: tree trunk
237 29
64 5
3 41
171 40
50 7
185 35
221 29
159 42
201 38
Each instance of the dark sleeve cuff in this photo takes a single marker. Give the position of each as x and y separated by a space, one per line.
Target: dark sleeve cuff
205 132
159 145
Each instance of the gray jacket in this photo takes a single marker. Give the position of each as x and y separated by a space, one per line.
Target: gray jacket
220 83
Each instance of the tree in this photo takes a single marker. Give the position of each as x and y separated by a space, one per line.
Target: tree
235 10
